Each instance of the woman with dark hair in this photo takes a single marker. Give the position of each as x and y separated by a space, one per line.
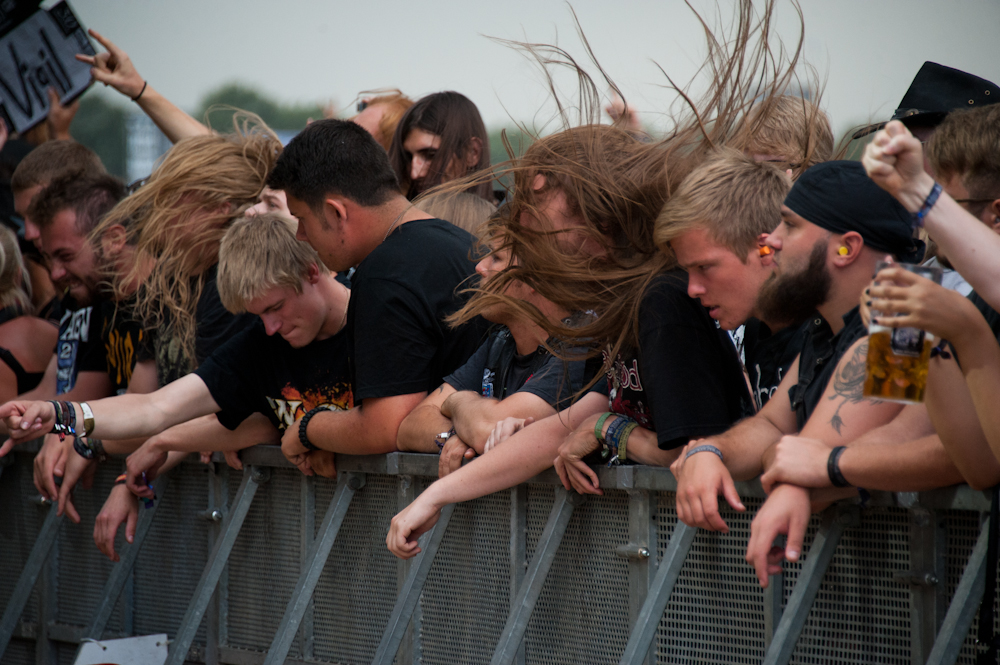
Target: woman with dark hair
440 138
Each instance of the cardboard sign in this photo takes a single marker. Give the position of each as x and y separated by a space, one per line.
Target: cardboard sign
38 53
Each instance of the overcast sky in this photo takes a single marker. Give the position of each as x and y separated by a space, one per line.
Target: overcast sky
867 51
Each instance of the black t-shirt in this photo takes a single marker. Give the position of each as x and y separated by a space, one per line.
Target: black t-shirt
769 355
257 373
215 326
79 347
123 339
497 370
402 293
990 314
686 380
821 351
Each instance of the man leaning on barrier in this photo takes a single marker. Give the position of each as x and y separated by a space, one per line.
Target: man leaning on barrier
340 186
835 225
266 271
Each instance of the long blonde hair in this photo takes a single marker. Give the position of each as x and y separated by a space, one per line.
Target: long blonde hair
178 217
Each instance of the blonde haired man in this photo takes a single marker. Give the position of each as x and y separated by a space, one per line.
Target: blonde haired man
263 270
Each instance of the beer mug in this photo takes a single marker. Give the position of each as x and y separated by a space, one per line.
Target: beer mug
898 357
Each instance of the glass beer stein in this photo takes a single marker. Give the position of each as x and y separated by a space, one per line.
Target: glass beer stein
898 357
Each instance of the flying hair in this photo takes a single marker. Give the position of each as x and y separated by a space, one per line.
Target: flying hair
177 218
614 185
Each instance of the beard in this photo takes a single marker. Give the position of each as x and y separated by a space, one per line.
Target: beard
788 299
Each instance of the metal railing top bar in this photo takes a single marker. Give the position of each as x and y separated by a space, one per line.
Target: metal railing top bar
627 477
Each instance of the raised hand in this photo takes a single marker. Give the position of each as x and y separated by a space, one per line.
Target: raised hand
113 68
895 161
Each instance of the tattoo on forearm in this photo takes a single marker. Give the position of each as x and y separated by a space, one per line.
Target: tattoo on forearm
848 383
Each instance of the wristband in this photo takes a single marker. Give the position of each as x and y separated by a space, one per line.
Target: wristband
120 480
623 439
304 424
144 84
918 217
88 418
833 468
706 448
599 427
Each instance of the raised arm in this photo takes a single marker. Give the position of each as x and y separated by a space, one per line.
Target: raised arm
114 68
894 159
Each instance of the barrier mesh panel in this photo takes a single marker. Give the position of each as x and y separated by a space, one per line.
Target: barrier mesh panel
861 614
19 525
963 532
19 652
466 598
582 615
357 590
173 556
83 569
714 614
264 564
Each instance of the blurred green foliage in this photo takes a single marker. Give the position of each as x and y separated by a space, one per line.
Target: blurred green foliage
100 125
277 115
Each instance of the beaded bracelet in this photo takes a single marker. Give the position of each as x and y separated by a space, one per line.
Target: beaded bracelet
918 217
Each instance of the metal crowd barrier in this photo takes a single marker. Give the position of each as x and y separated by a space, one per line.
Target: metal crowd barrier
268 566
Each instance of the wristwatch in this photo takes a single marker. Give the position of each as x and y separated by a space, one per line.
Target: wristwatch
443 437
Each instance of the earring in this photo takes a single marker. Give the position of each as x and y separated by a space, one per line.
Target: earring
843 251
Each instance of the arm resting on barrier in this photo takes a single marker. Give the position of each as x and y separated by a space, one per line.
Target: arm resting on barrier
521 457
904 455
204 433
417 431
475 416
368 429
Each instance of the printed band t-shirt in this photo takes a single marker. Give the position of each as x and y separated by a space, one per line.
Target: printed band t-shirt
79 347
402 292
496 370
123 339
685 381
257 373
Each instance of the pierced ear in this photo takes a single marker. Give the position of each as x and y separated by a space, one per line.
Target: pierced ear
474 152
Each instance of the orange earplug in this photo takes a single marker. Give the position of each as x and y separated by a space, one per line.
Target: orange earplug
765 250
843 251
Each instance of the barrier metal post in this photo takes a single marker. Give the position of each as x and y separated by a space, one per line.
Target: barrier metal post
402 612
534 578
518 550
927 580
964 605
47 536
641 638
349 483
835 520
253 476
642 556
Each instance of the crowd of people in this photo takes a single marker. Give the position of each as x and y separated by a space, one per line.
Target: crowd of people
698 301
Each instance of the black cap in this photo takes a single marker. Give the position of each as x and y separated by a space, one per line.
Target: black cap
935 92
840 197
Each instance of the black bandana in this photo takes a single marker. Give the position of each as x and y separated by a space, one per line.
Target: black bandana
840 197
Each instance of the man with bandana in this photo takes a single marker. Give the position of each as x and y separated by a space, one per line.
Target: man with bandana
836 224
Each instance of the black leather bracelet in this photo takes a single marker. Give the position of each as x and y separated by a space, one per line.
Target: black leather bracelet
833 467
304 424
